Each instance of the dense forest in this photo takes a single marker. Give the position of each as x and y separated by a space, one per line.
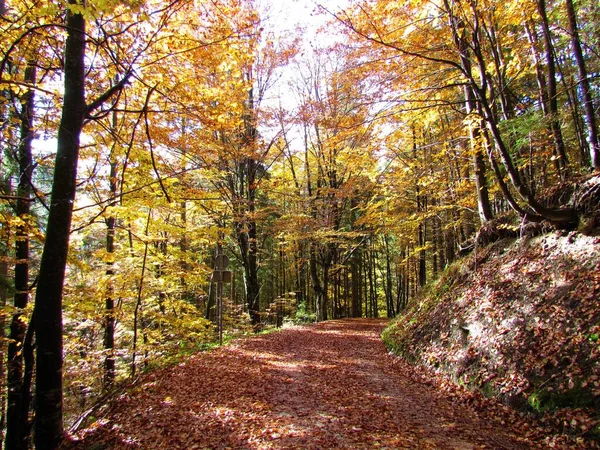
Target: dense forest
172 172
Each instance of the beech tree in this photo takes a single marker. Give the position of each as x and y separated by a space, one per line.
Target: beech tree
411 39
584 85
19 378
157 209
331 166
48 301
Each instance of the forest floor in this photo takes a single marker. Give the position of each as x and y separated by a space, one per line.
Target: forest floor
329 385
517 320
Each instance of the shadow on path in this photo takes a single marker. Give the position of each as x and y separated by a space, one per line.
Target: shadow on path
325 386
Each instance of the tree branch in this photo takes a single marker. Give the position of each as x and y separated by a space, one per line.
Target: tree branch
107 95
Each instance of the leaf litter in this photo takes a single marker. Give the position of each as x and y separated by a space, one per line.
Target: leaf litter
328 385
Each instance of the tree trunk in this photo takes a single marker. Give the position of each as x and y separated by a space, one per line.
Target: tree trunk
422 239
17 429
253 286
109 313
5 188
4 293
389 294
48 301
584 85
483 199
316 284
109 310
356 284
323 312
559 145
372 278
564 217
137 313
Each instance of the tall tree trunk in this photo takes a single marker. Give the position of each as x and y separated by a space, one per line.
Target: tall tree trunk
246 232
584 85
316 283
323 313
559 145
422 238
389 294
253 286
137 313
4 293
565 217
543 89
48 301
372 277
109 310
356 264
5 285
17 429
481 186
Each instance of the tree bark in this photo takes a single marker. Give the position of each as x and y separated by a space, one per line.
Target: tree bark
565 217
48 301
584 85
389 294
316 282
356 284
483 199
559 145
246 233
4 293
17 416
138 304
109 309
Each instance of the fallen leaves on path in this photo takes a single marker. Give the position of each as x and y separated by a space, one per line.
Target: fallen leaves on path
330 385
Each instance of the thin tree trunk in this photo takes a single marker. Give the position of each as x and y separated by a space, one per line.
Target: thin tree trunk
4 292
28 370
584 85
422 238
561 216
356 284
483 200
372 281
325 297
316 283
138 303
541 80
5 188
17 429
389 294
557 136
109 310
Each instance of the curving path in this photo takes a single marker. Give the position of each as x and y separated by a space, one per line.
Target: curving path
330 385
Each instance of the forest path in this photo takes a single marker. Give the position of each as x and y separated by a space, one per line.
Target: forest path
329 385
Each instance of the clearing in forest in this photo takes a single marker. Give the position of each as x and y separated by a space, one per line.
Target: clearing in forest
329 385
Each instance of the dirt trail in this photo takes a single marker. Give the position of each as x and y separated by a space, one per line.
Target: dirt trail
330 385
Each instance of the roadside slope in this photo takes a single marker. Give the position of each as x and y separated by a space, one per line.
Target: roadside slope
519 320
330 385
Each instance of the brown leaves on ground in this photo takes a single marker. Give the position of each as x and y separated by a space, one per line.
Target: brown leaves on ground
331 385
519 320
